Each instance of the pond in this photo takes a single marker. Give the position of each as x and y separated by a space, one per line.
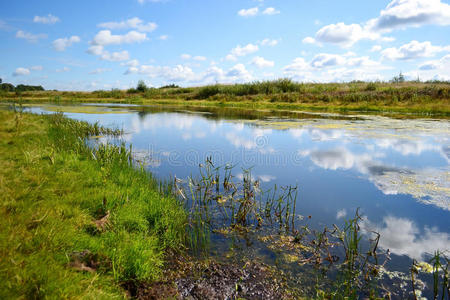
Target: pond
395 171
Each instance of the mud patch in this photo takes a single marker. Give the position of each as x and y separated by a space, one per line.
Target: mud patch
217 280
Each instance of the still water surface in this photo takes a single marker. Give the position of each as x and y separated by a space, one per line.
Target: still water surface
396 171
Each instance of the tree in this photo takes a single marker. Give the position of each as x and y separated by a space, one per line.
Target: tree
1 81
141 87
398 79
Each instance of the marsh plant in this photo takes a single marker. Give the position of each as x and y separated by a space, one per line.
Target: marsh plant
346 260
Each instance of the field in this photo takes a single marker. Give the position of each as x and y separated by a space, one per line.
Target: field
430 98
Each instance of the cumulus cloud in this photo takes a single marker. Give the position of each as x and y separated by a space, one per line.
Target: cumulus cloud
269 42
438 69
412 50
115 56
239 73
104 37
133 23
177 73
270 11
103 54
21 72
398 14
242 51
308 40
261 62
37 68
49 19
32 38
163 37
250 12
63 43
326 60
95 50
131 63
401 14
342 34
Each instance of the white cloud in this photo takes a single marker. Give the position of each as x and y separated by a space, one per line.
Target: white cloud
131 63
32 38
412 50
37 68
398 14
342 34
334 67
270 11
62 44
199 58
177 73
106 55
188 56
269 42
261 62
104 37
115 56
133 23
323 60
163 37
242 51
64 69
376 48
95 50
402 237
21 72
99 71
401 14
341 214
308 40
49 19
250 12
239 73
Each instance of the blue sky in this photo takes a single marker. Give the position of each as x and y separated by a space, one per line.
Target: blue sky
104 44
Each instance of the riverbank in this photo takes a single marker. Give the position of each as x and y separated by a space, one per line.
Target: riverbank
77 222
424 99
83 222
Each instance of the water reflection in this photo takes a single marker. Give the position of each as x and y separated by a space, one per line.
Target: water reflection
384 166
403 237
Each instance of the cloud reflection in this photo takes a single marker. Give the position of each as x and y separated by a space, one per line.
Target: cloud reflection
403 237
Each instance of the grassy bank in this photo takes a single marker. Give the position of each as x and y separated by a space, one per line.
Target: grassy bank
407 97
77 222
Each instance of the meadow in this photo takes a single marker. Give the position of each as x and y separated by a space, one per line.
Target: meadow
412 97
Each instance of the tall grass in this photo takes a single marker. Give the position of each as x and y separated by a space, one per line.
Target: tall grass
77 221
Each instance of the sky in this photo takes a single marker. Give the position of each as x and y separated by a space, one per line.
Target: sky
105 44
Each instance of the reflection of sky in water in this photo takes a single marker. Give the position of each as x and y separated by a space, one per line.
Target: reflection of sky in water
396 171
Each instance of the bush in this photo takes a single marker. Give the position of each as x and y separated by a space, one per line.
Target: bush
141 87
208 91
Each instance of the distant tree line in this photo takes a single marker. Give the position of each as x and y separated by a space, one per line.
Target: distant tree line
8 87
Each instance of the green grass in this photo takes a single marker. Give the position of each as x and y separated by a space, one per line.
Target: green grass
53 188
406 97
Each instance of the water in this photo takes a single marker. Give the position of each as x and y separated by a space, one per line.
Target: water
396 171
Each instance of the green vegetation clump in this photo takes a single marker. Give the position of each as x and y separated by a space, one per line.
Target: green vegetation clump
400 96
77 221
8 87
